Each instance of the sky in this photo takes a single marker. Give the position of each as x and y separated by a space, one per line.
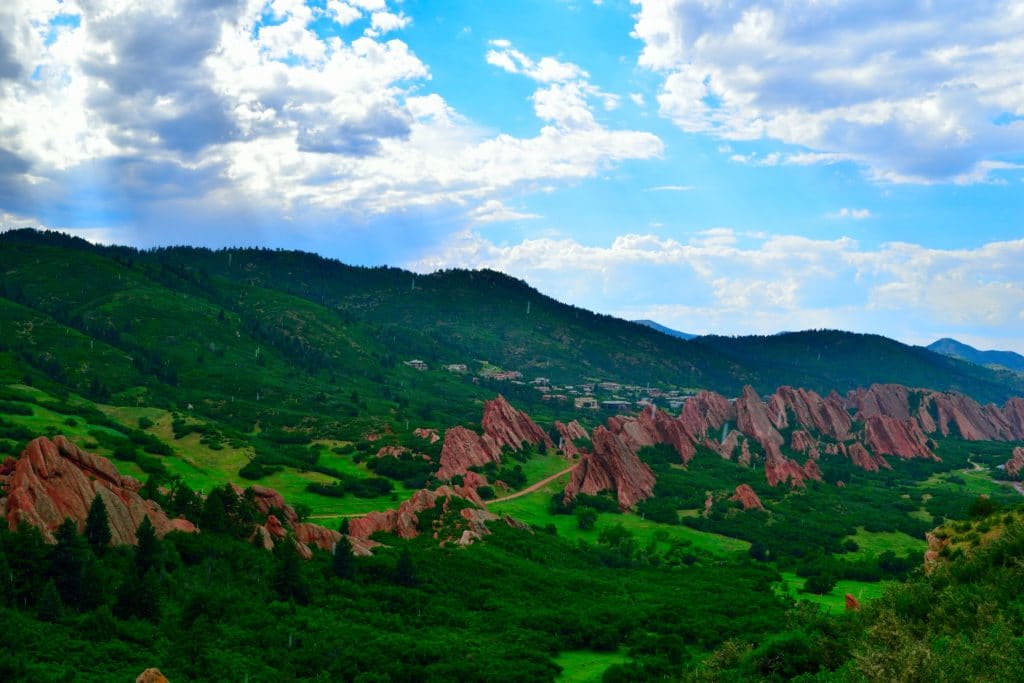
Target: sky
720 167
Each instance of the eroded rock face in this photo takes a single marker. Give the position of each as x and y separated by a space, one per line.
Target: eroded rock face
652 426
570 432
1015 465
404 521
464 448
613 466
706 413
430 435
824 415
55 480
903 438
864 460
510 427
503 425
746 497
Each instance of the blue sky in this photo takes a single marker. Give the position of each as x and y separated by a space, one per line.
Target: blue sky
742 167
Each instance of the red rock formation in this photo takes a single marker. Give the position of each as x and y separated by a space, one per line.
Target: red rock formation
706 412
903 438
611 467
1013 411
510 427
881 399
1015 465
652 426
151 676
464 448
391 451
709 502
753 420
778 469
55 480
824 415
403 521
428 434
570 432
866 461
802 442
269 502
852 603
746 497
503 426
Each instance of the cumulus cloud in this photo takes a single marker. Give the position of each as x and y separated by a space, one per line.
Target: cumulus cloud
723 281
248 105
912 92
855 214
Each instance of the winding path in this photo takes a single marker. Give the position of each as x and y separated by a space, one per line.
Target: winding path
533 487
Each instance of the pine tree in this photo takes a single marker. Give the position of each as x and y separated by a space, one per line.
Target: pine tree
343 563
405 571
97 526
67 560
287 579
148 547
49 607
6 581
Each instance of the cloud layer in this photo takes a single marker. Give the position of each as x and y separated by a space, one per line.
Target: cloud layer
918 92
724 281
254 104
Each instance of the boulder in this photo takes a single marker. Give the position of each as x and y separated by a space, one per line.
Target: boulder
151 676
430 435
55 480
746 497
1015 465
852 603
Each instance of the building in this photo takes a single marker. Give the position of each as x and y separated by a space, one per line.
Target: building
457 367
586 402
416 364
610 386
616 405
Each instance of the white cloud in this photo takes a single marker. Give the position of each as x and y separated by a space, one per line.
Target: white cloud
495 211
918 93
723 281
855 214
672 188
211 106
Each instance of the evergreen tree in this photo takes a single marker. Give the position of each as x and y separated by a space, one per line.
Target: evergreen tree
405 571
343 563
287 579
67 560
49 606
6 581
97 526
148 547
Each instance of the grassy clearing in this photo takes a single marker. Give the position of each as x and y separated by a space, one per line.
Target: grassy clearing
533 509
584 666
835 601
873 543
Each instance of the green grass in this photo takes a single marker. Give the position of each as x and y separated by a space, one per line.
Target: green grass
583 666
533 509
834 601
877 542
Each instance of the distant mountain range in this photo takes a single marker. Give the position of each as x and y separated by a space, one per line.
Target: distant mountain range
956 349
666 330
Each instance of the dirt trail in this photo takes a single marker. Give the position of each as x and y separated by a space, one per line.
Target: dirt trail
532 488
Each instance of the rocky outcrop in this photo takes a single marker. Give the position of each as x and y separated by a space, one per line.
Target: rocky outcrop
811 411
503 426
705 414
864 460
570 433
151 676
464 448
430 435
1015 465
55 480
404 521
510 427
753 420
652 426
746 497
613 466
903 438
